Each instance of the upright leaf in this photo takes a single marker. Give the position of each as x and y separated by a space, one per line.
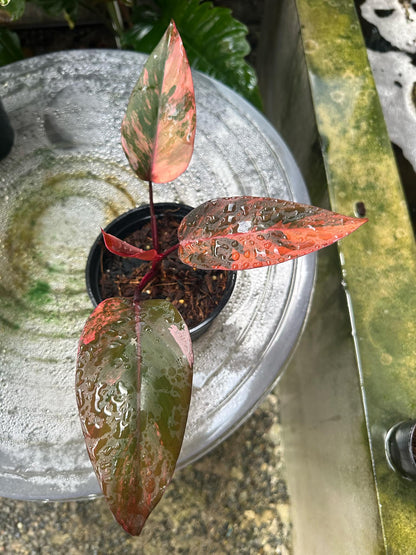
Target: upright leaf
158 129
239 233
10 50
133 385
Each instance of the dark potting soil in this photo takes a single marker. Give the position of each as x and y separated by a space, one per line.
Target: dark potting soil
194 293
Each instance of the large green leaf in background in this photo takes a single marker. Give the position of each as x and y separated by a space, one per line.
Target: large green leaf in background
11 10
214 41
10 50
133 386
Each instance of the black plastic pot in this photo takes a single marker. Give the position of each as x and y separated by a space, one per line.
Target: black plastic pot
6 133
126 224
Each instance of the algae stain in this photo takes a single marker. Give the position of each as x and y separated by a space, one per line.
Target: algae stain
9 324
40 293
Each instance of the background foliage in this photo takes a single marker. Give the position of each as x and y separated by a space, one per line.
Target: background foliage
215 42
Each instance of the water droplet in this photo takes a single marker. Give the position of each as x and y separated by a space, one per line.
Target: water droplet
243 227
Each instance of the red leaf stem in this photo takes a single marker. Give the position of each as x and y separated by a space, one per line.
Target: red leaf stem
147 278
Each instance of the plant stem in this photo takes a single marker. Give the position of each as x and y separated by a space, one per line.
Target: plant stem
116 20
153 271
153 221
155 238
169 251
148 276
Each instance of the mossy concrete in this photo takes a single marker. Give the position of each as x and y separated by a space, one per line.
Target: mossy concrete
340 112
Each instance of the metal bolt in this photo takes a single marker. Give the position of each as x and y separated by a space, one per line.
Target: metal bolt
401 448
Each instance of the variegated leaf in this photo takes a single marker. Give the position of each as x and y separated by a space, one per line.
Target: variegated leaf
158 129
239 233
133 386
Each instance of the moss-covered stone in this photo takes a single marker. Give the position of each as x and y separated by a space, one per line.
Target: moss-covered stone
379 262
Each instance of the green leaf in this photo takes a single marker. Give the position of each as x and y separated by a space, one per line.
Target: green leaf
10 50
158 129
133 386
215 42
11 10
240 233
59 8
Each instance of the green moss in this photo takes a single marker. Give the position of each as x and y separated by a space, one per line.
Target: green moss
379 261
9 324
39 293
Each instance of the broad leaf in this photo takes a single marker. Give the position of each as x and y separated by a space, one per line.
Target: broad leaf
11 10
158 129
133 386
122 248
10 50
214 41
239 233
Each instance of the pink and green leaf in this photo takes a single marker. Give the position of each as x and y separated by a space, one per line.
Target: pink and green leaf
122 248
133 386
239 233
158 129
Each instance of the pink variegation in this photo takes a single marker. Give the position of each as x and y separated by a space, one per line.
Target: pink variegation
240 233
158 130
127 399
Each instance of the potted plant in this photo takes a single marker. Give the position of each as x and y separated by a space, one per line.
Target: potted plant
135 360
199 295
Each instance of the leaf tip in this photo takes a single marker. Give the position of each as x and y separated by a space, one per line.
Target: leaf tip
356 223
